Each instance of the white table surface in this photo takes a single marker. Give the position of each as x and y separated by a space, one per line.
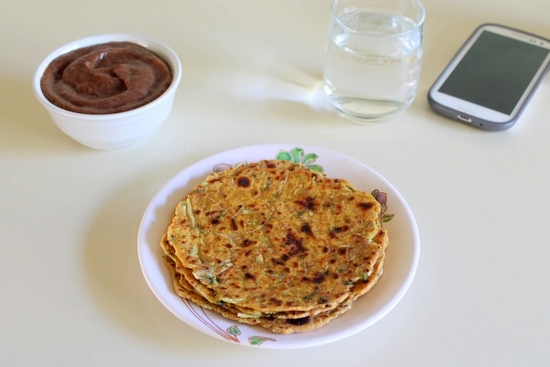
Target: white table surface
71 289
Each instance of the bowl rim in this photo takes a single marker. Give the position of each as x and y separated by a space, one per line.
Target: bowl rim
160 48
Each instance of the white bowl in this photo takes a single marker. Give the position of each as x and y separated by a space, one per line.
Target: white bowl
116 130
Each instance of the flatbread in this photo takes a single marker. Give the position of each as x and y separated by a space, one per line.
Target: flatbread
276 325
275 244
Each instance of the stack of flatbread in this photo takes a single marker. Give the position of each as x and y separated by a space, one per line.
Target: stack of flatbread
275 244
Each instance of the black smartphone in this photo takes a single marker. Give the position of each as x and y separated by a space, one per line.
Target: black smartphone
492 77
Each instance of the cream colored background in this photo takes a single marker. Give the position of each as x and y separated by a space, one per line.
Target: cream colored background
71 290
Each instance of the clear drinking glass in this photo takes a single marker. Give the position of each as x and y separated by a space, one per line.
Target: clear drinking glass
373 57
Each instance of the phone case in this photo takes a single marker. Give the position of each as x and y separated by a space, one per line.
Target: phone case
475 121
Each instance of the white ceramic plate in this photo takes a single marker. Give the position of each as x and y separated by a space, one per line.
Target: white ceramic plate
399 267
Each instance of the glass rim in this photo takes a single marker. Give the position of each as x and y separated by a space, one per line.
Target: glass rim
417 24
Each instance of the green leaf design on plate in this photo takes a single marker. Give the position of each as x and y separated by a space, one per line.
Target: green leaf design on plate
386 218
233 330
258 340
297 155
316 168
309 159
284 156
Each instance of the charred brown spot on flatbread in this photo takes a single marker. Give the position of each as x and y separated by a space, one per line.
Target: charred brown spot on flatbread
275 244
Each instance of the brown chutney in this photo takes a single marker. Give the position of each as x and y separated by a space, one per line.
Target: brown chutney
105 78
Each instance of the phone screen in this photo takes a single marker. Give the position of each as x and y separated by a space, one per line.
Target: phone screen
495 72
